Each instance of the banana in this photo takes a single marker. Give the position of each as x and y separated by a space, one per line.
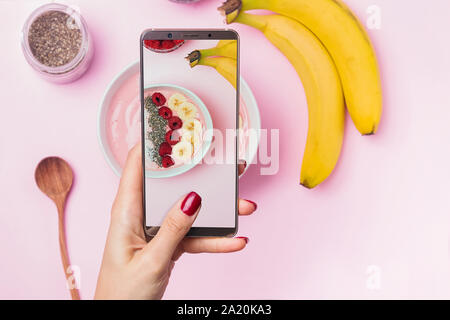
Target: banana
186 111
193 138
224 48
222 43
326 110
182 151
176 100
192 131
196 141
224 65
347 42
186 136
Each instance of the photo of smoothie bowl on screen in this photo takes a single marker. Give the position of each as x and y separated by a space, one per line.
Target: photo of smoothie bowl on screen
178 130
190 115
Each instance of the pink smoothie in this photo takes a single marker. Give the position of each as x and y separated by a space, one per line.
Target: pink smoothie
124 119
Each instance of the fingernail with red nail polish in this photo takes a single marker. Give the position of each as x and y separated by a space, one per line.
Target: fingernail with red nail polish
191 203
247 240
253 203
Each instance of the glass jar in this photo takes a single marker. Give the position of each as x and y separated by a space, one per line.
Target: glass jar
78 64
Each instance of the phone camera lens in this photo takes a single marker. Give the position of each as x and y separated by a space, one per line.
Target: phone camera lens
209 35
170 36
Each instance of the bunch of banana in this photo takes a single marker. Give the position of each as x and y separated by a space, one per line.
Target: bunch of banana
347 42
342 63
326 110
222 57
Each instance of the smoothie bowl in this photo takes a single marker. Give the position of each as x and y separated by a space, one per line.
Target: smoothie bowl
177 130
119 120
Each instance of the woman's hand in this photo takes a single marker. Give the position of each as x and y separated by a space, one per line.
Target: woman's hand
135 269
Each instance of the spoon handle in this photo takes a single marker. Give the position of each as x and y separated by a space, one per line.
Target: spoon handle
64 255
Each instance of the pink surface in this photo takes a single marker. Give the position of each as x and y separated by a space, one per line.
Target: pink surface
386 204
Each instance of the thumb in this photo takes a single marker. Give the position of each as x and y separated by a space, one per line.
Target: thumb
175 227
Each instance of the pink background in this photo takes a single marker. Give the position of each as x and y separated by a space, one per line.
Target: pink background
387 203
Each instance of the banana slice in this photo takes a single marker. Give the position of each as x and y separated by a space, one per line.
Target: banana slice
186 111
182 151
187 136
193 138
196 141
193 125
176 100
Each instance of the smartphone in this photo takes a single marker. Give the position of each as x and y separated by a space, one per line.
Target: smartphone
190 118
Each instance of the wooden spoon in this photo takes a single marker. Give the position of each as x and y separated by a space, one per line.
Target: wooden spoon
54 177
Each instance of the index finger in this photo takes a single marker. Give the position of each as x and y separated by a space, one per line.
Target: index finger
127 209
131 180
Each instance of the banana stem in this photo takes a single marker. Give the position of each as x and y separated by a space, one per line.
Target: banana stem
198 56
211 62
256 4
252 20
226 49
209 52
223 43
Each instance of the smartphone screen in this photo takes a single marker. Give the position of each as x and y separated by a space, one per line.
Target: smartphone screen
190 113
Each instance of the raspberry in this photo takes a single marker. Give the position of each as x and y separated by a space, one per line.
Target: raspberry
158 99
164 149
165 112
167 161
167 44
152 44
175 123
172 138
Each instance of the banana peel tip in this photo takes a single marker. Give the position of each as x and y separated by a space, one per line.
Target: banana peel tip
371 132
193 58
306 185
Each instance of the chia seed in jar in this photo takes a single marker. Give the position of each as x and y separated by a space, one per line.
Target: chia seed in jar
56 43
